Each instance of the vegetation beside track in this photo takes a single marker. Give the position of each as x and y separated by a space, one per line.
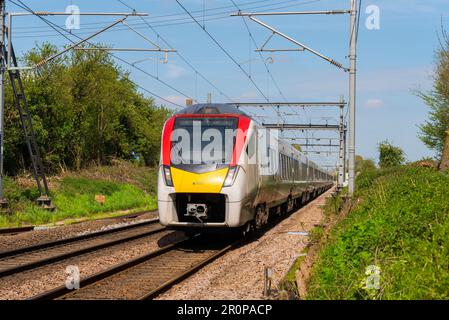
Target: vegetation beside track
125 186
399 223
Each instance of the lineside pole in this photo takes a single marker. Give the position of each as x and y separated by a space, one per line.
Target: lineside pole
352 95
3 202
341 159
345 159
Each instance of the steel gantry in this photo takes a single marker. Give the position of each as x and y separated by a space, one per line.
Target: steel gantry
340 128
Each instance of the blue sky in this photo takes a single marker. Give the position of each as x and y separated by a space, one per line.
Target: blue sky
392 62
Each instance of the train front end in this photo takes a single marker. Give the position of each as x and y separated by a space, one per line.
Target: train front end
201 181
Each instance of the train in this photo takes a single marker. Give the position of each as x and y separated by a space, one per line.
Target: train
221 170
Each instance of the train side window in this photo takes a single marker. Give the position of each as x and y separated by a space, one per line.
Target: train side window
290 169
273 162
296 170
281 167
251 148
284 167
292 162
298 174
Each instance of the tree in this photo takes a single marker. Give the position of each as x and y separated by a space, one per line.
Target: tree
84 109
390 155
435 131
363 164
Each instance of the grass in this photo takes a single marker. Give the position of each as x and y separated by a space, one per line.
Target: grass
288 283
73 194
400 226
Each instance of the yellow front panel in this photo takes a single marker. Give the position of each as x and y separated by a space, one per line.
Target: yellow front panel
189 182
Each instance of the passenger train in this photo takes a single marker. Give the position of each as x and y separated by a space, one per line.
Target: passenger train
220 169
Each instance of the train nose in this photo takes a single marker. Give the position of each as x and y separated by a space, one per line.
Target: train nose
190 182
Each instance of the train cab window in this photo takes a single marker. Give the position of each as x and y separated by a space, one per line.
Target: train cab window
202 141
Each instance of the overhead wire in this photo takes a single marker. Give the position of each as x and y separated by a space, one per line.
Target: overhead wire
221 15
224 50
181 56
57 28
261 58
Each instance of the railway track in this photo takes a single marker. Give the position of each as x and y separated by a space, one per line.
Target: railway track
147 276
27 258
17 230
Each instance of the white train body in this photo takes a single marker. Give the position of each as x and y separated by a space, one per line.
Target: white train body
262 176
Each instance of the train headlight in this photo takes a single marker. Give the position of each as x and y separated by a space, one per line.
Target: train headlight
230 177
167 176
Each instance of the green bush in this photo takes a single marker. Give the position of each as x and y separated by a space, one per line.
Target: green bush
402 227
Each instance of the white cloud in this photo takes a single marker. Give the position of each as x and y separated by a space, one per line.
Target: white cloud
175 71
373 103
181 100
246 96
373 82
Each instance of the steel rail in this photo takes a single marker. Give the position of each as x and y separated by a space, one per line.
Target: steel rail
63 291
180 277
16 230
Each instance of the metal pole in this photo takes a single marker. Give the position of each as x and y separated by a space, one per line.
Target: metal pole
341 172
2 96
345 160
335 63
352 94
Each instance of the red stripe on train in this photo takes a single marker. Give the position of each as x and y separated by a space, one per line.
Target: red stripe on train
242 131
166 141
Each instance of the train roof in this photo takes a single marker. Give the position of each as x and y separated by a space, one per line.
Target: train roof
212 108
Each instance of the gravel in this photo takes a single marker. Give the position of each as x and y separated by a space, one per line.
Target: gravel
30 283
239 273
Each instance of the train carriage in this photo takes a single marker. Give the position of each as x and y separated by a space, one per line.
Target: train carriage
220 169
